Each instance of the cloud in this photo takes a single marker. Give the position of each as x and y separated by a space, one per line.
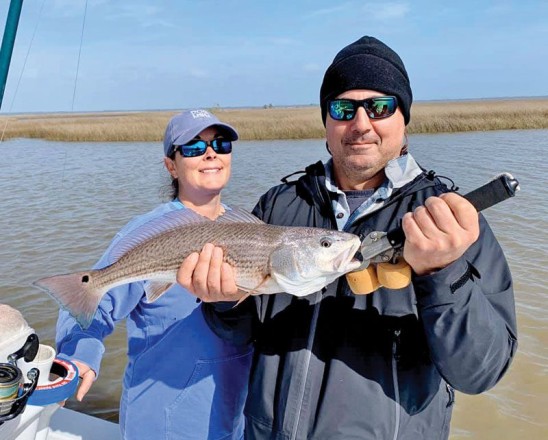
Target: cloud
373 10
283 41
329 11
137 14
312 67
71 8
499 9
386 11
199 73
144 15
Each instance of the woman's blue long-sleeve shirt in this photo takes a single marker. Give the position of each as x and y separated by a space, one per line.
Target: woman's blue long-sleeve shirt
181 381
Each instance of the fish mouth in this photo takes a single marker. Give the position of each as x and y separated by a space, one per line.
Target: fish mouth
347 261
353 265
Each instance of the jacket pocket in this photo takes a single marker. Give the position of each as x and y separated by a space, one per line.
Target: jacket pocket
210 405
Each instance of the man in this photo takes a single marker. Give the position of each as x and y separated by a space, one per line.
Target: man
335 365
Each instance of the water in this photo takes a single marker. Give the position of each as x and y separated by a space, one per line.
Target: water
63 202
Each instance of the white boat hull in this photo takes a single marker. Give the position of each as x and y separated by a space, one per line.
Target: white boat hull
55 423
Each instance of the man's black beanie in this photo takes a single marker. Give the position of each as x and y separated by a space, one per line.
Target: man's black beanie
367 64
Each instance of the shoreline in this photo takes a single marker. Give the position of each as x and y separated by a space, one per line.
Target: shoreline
271 123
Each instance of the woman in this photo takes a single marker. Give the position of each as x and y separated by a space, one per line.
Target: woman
181 381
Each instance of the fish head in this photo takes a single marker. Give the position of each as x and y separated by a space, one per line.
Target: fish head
310 258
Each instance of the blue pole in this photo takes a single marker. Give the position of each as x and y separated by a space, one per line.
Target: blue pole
8 40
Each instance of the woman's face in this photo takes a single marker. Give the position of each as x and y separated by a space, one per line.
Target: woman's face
202 176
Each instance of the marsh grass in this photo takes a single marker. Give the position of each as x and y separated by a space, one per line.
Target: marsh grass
276 122
446 117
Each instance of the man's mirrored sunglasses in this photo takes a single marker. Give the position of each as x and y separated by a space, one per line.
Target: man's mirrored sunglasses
376 108
198 147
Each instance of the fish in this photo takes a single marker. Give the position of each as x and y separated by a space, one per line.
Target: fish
267 259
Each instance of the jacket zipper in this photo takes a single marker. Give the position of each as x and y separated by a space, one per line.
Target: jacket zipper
451 394
313 324
395 357
306 365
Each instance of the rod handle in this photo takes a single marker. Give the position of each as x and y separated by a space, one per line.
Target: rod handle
495 191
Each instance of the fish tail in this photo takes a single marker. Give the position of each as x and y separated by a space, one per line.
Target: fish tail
76 293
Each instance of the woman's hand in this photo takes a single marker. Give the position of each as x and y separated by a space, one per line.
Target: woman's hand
208 277
87 377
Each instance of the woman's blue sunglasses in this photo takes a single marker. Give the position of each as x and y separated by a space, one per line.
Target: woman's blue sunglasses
376 108
198 147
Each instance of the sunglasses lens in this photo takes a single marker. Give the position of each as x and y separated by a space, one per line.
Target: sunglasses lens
342 109
220 146
193 149
382 107
199 147
376 108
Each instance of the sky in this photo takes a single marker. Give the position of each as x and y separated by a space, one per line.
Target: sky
177 54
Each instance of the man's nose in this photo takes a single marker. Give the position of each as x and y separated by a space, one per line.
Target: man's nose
361 121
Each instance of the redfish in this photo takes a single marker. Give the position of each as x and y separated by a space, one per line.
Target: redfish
266 258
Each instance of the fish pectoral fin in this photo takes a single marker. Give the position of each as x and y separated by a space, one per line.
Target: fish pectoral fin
267 286
242 299
255 291
155 289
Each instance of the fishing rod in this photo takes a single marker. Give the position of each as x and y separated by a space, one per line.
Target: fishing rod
381 252
8 41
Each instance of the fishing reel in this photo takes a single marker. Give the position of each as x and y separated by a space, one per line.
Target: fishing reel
14 390
32 380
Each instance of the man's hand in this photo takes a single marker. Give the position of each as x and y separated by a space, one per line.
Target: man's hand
439 232
208 277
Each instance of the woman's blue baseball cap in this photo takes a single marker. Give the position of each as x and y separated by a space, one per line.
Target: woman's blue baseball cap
185 126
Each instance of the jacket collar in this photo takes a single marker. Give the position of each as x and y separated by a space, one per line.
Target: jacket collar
399 172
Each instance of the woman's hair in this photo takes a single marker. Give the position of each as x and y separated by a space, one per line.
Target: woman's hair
174 188
170 191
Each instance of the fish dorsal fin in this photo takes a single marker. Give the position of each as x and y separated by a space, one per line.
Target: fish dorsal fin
166 222
238 215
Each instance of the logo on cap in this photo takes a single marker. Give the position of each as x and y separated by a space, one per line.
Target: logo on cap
200 114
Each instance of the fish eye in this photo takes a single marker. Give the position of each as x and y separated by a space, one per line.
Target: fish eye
325 242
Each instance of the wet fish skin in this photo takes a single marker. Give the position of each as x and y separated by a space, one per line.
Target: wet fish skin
267 258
